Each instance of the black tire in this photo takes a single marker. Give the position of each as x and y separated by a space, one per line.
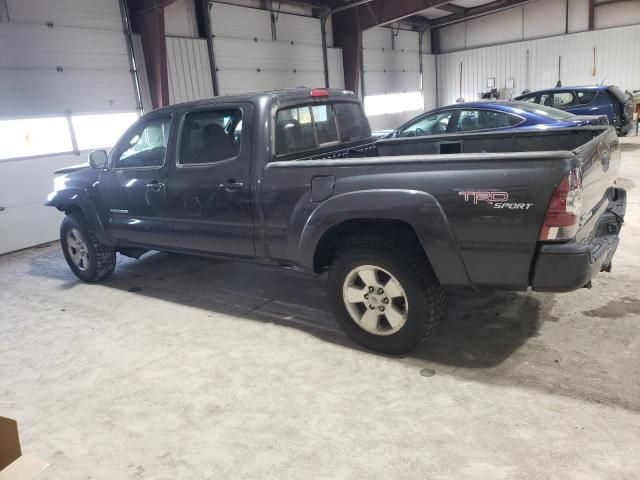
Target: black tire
101 259
424 295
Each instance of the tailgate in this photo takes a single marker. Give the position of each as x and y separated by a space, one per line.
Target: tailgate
599 164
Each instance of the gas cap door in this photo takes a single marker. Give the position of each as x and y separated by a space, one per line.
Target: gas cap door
322 187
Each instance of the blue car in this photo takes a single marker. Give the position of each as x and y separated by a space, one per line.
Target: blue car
492 115
594 100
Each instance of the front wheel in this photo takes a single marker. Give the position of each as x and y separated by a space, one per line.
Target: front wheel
88 258
384 299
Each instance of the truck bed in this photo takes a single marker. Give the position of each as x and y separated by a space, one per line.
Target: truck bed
469 242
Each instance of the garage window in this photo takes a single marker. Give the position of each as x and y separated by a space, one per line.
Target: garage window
101 131
34 136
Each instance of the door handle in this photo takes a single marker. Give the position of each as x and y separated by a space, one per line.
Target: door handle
231 185
155 185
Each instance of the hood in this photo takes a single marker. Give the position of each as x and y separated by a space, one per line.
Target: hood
73 168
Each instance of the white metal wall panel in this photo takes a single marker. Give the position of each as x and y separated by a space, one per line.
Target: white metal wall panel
429 81
50 93
408 41
266 62
388 70
75 13
623 13
453 37
80 64
37 46
391 61
299 29
143 75
234 81
377 37
578 15
248 58
189 69
55 58
25 221
543 19
500 27
231 21
336 69
615 60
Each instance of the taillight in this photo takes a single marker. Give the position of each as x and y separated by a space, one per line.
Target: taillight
563 213
319 92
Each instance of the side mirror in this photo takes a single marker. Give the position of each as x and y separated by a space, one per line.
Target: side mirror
98 159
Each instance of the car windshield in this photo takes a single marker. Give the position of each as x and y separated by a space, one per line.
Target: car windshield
542 110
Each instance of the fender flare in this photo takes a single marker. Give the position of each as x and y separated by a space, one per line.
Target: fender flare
418 209
81 198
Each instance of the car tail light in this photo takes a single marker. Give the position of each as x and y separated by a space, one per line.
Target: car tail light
319 92
563 213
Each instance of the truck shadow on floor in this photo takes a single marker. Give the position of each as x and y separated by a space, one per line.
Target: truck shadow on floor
489 337
479 330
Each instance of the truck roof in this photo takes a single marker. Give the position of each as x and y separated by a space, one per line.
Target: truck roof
299 93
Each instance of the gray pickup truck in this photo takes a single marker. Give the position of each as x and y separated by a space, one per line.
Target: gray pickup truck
293 178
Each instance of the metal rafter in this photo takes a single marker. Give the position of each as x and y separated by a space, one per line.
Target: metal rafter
478 11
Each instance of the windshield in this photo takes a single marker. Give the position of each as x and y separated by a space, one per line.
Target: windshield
542 110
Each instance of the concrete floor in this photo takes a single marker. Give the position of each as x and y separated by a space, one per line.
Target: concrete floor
184 368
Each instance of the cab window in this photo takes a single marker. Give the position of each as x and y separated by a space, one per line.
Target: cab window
145 146
303 128
433 124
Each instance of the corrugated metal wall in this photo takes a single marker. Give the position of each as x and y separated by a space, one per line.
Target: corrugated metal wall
617 59
189 69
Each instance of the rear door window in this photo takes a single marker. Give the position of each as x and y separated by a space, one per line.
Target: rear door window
586 96
530 98
433 124
210 136
563 100
470 120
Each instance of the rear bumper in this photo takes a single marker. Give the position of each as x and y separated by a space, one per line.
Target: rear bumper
569 266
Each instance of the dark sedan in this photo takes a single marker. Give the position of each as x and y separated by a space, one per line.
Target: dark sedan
492 115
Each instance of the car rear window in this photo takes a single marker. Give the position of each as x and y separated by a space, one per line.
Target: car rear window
545 111
306 127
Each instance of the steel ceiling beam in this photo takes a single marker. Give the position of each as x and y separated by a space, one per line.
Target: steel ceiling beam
452 8
474 12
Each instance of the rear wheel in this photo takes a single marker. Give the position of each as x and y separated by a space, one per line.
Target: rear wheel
385 299
88 258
